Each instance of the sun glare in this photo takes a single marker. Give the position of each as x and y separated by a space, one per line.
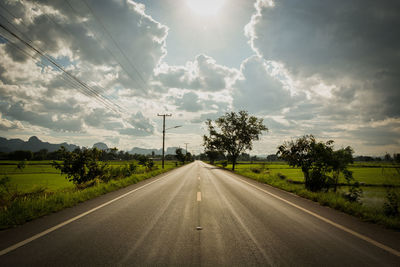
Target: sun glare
205 7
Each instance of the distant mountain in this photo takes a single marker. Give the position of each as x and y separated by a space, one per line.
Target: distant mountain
33 144
148 151
100 146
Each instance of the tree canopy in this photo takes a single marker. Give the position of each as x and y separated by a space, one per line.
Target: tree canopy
319 162
233 133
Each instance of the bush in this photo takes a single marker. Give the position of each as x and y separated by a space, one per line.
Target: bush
354 194
224 163
82 166
391 205
317 181
281 176
255 170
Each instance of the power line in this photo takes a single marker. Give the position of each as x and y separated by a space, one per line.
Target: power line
115 43
93 90
106 48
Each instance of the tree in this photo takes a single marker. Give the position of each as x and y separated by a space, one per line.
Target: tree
317 160
388 157
212 155
188 157
180 156
340 160
396 157
81 166
233 133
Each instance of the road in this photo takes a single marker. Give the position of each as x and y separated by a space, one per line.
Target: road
242 222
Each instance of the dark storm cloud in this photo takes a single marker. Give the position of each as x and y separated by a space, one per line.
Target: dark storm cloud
344 43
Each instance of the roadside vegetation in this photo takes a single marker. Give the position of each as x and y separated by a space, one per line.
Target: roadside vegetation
312 169
31 189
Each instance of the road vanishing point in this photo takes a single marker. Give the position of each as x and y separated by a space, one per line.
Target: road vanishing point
199 215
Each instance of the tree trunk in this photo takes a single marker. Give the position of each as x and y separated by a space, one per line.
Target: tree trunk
233 163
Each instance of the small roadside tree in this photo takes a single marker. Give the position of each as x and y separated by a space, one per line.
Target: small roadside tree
179 155
81 166
233 133
212 155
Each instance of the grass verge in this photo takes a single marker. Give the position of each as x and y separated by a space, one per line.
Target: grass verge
331 199
31 207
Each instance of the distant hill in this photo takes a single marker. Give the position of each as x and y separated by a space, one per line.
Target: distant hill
148 151
34 144
100 146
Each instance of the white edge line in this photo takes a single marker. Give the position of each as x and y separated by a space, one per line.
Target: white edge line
341 227
26 241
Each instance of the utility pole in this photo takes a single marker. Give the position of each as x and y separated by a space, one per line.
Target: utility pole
163 135
186 147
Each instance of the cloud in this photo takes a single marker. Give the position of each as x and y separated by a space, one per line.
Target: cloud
6 125
258 91
202 74
189 102
110 45
378 135
347 44
142 126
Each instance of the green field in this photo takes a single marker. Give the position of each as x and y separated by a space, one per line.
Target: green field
384 174
39 189
374 177
377 179
43 174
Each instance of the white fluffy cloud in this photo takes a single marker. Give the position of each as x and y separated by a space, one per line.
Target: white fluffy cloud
258 91
106 44
202 74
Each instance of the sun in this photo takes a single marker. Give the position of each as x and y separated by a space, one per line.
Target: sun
205 7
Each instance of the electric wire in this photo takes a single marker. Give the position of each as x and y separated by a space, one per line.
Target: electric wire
108 50
93 92
115 43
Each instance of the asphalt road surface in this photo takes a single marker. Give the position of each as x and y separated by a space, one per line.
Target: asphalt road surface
199 215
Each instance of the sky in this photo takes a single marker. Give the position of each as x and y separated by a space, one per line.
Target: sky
87 71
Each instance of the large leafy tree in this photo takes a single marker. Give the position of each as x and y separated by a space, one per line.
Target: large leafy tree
233 133
318 161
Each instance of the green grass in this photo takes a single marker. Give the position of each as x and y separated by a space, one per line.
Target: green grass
370 207
43 174
370 174
59 193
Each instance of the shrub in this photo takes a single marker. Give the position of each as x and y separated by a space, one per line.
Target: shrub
354 194
281 176
224 163
21 165
391 205
82 166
